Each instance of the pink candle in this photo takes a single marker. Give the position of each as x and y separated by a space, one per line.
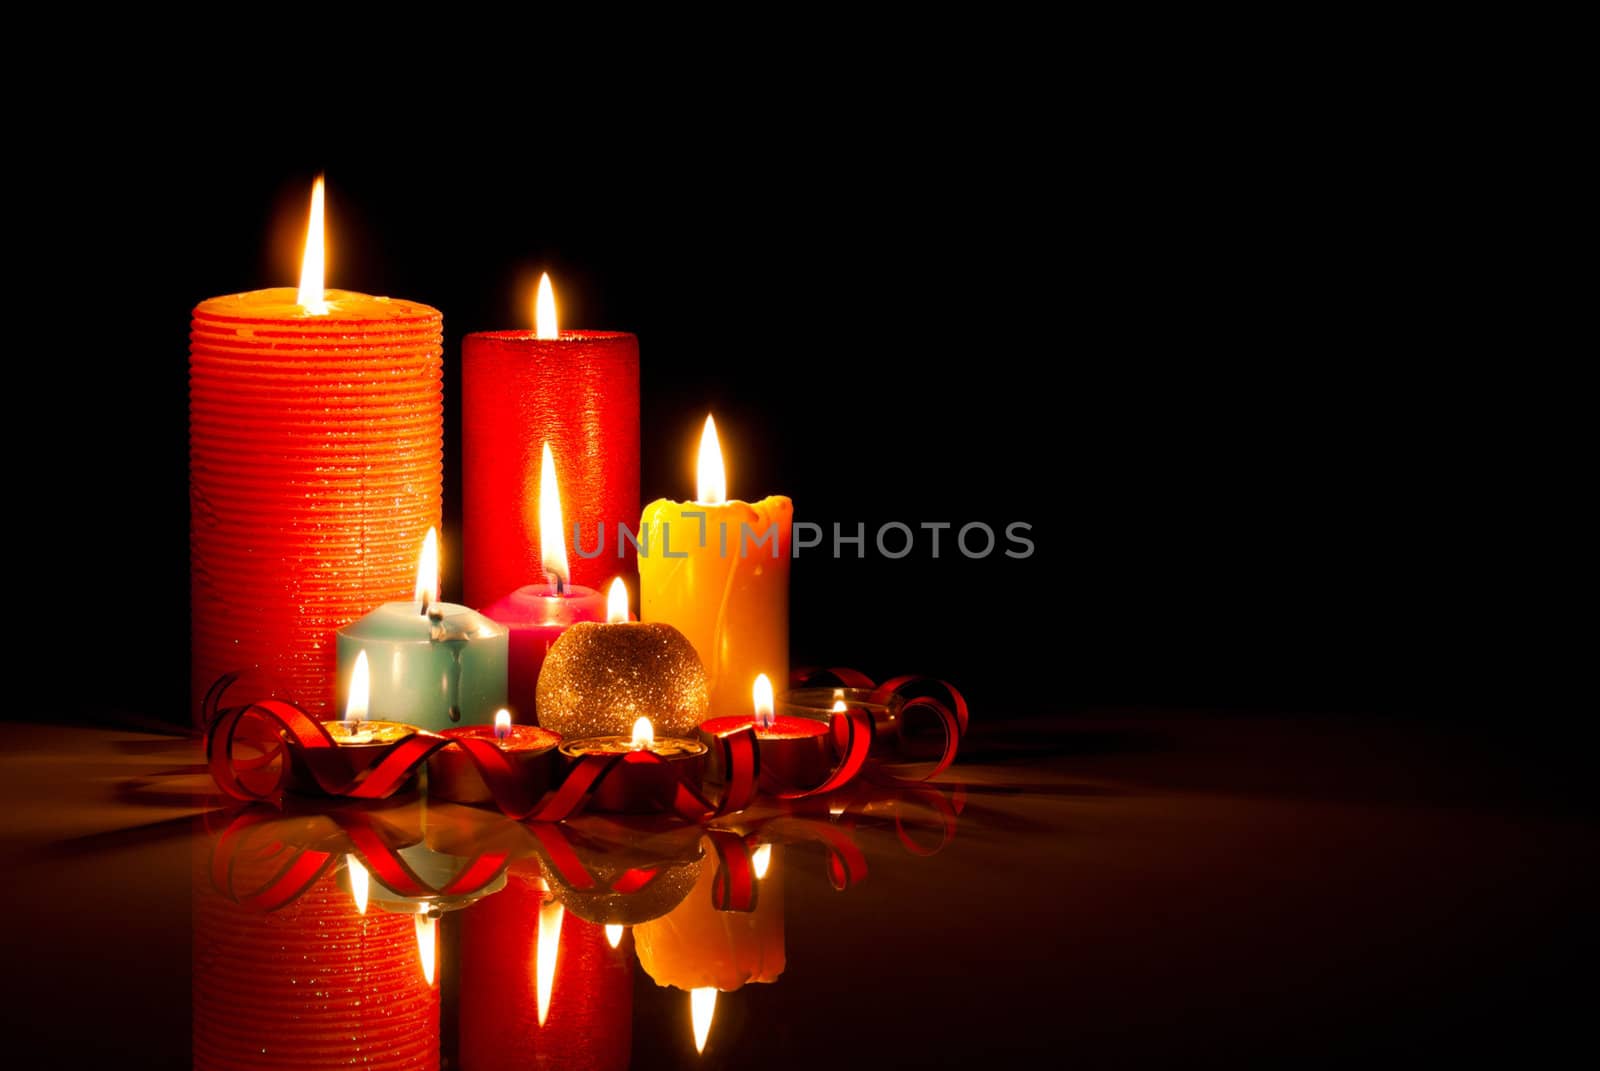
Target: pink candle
536 615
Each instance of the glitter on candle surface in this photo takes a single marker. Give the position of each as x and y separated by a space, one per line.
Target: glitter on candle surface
599 679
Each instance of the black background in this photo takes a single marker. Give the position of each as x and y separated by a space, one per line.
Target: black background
1171 340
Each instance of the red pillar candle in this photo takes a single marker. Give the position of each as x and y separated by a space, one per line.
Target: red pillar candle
589 997
576 390
536 615
315 445
313 985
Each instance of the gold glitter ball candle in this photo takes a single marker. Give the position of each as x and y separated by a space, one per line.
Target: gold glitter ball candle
598 679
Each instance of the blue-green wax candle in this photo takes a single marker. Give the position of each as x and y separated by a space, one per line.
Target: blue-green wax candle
434 664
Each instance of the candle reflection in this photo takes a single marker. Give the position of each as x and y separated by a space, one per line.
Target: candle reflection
551 915
360 884
702 1007
314 985
695 945
538 985
428 945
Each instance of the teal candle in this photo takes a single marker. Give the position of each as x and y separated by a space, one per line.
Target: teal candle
433 664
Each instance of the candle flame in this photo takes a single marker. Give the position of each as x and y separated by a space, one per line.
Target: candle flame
359 885
426 592
839 707
311 295
760 860
355 707
644 734
702 1006
502 724
763 701
428 945
550 915
713 489
613 934
544 309
552 533
617 602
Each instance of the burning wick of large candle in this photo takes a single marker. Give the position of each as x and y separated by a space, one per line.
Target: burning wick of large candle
355 708
551 913
644 734
765 715
552 536
702 1006
712 489
760 860
544 309
312 296
502 725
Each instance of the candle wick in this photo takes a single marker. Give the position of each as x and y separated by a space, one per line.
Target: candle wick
424 608
561 585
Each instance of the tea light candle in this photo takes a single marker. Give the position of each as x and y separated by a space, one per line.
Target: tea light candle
794 750
436 663
637 784
452 775
362 742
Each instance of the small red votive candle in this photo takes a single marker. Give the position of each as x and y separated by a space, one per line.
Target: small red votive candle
795 752
452 775
361 743
637 785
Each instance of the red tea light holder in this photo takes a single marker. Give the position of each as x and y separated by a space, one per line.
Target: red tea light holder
529 750
796 744
652 768
359 743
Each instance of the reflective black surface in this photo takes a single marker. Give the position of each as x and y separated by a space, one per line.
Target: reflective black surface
1118 892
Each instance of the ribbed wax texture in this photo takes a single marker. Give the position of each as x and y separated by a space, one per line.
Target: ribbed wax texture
579 392
315 454
591 1000
310 986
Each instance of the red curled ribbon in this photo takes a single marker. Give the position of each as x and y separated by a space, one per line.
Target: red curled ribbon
950 710
306 866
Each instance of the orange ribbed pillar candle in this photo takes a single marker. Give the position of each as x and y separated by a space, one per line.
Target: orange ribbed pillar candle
315 449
